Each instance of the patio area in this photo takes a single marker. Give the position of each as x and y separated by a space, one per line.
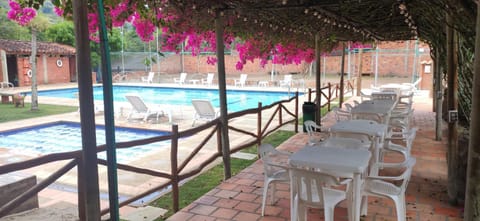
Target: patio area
239 198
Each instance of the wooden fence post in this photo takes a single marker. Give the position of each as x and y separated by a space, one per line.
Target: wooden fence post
329 99
280 113
296 112
309 95
81 190
174 167
259 124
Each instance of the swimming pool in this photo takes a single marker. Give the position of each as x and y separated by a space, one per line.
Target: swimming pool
237 99
65 136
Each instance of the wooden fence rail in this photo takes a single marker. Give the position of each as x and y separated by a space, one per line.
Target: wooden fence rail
330 93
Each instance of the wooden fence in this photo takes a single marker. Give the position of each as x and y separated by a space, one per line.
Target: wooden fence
330 92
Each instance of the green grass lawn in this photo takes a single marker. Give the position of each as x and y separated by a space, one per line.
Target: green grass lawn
198 186
8 112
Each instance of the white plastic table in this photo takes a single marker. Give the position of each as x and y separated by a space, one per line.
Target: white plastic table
379 131
347 163
401 88
194 81
380 107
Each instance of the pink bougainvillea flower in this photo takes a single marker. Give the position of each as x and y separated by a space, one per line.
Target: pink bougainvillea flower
58 11
144 28
239 66
119 13
211 60
93 26
20 15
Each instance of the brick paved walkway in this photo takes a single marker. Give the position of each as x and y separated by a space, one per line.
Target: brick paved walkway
239 198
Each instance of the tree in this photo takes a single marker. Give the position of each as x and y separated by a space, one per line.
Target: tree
11 30
61 32
40 23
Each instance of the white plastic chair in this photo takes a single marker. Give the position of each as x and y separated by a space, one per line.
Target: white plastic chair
6 84
312 189
241 82
143 110
413 85
400 120
364 139
344 142
287 81
384 96
209 80
273 171
369 116
149 78
348 107
203 111
341 115
365 96
407 138
181 79
311 127
383 186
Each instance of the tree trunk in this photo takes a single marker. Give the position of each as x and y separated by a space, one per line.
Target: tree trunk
472 210
33 63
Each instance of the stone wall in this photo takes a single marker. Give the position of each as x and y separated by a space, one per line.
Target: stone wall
12 190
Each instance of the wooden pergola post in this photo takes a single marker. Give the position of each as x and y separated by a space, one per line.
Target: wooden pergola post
87 116
472 196
342 72
222 90
452 104
438 96
359 82
318 89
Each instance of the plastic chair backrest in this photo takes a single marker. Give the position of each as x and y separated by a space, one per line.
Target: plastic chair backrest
243 78
309 184
183 77
204 108
363 138
345 142
266 151
341 115
384 96
137 103
311 127
210 77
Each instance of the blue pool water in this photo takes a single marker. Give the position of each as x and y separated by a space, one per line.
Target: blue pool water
66 136
237 99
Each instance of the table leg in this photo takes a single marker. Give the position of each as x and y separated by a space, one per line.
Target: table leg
291 202
376 153
356 197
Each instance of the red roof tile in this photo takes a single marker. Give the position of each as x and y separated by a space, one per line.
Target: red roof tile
25 47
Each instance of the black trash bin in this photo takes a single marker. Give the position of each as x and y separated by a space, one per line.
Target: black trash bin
308 109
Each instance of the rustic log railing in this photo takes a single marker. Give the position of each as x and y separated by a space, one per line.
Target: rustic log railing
330 93
177 173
